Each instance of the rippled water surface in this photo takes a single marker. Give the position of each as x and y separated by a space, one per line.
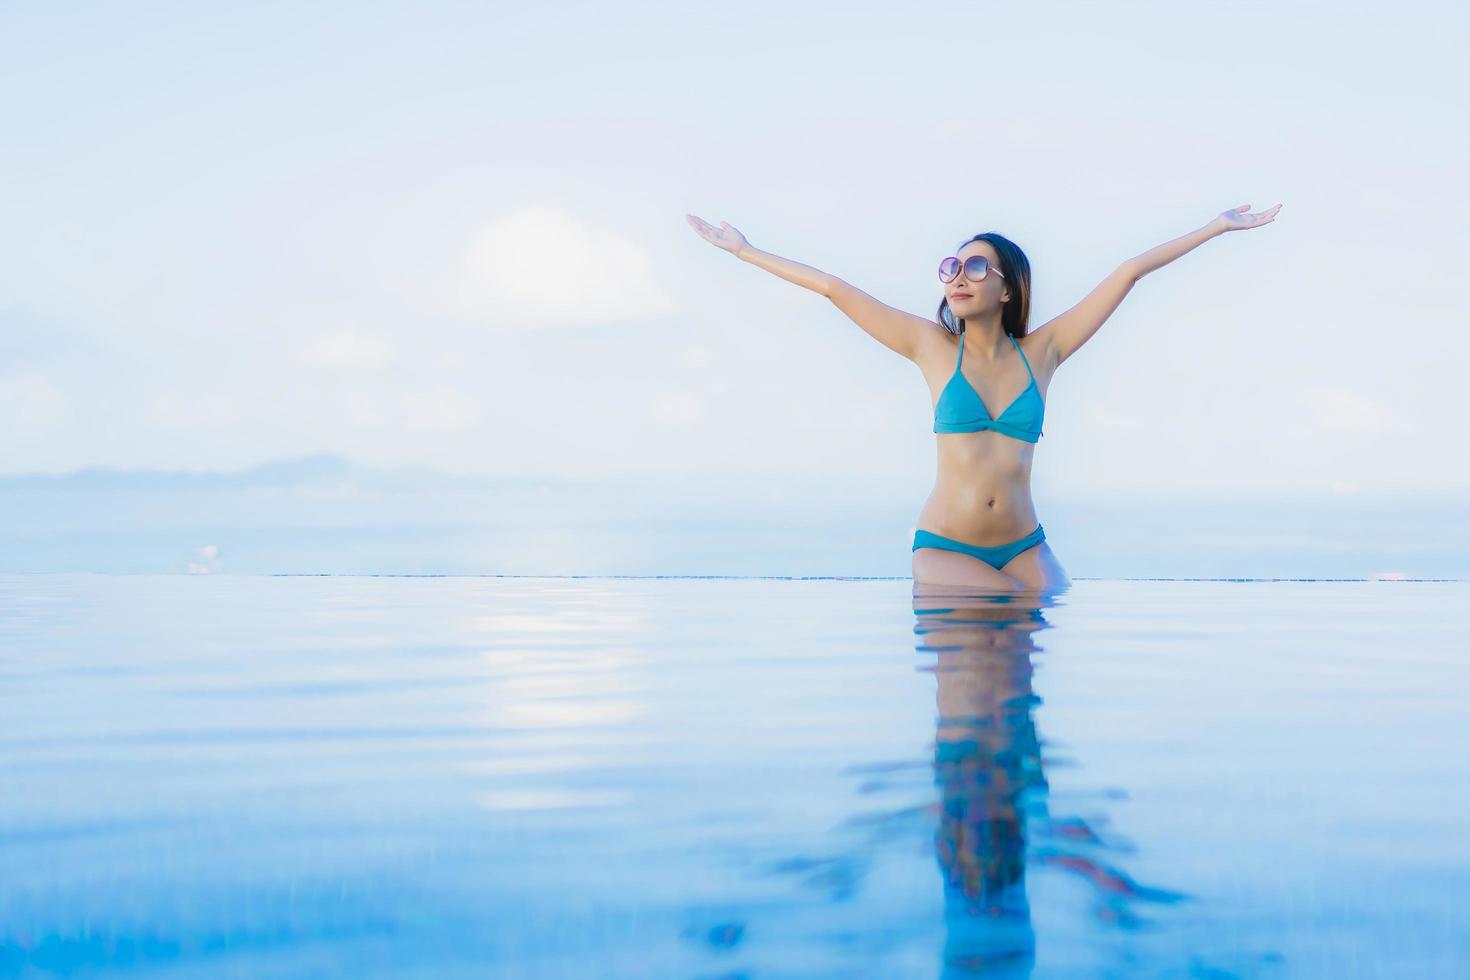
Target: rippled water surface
234 776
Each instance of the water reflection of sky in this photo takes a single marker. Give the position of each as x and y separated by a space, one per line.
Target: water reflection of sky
720 778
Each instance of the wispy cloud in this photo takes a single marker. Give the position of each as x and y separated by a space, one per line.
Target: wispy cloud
348 349
25 335
1334 408
171 410
435 408
541 266
439 409
30 403
682 410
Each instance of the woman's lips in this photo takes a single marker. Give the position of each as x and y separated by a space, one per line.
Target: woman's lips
960 296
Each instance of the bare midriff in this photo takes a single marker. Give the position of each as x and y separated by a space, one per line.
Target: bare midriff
982 494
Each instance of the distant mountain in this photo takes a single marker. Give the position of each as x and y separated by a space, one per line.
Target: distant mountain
274 473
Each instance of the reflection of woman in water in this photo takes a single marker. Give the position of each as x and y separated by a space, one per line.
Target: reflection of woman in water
987 763
993 793
979 526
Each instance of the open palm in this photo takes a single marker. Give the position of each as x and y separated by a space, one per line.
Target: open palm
1238 218
727 236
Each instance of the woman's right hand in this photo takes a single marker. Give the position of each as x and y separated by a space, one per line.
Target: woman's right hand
727 236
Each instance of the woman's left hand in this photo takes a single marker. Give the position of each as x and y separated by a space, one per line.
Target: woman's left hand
1238 218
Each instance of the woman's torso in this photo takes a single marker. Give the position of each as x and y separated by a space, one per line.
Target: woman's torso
982 491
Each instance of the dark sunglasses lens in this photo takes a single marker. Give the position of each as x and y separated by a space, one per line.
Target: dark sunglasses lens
976 267
949 268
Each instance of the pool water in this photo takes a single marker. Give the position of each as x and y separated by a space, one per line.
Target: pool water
254 776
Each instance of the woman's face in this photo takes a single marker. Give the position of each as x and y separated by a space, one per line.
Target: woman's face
967 297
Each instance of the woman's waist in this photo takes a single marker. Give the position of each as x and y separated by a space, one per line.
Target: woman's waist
988 490
984 516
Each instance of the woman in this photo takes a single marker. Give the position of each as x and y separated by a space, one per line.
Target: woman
978 528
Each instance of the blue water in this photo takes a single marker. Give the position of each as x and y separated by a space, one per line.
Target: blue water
241 776
325 514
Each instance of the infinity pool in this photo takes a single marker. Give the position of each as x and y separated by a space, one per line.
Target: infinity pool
238 776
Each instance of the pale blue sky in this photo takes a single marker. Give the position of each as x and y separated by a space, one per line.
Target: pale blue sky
452 234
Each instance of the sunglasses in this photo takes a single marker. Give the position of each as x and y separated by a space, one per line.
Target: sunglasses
976 267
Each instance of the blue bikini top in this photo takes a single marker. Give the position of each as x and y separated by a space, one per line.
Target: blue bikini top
961 410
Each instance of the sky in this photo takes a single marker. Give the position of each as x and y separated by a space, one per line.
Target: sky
452 234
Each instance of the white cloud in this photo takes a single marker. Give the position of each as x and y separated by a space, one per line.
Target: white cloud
206 560
1334 408
540 266
346 349
31 403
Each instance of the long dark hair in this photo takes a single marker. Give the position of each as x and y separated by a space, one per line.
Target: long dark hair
1014 312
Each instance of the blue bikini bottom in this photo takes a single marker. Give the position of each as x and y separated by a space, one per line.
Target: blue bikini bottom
995 557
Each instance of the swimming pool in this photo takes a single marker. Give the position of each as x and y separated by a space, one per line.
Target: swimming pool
677 777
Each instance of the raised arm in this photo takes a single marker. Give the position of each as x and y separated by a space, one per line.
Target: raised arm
1068 331
893 328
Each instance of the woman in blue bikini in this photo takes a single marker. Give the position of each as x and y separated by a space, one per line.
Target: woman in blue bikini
978 529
